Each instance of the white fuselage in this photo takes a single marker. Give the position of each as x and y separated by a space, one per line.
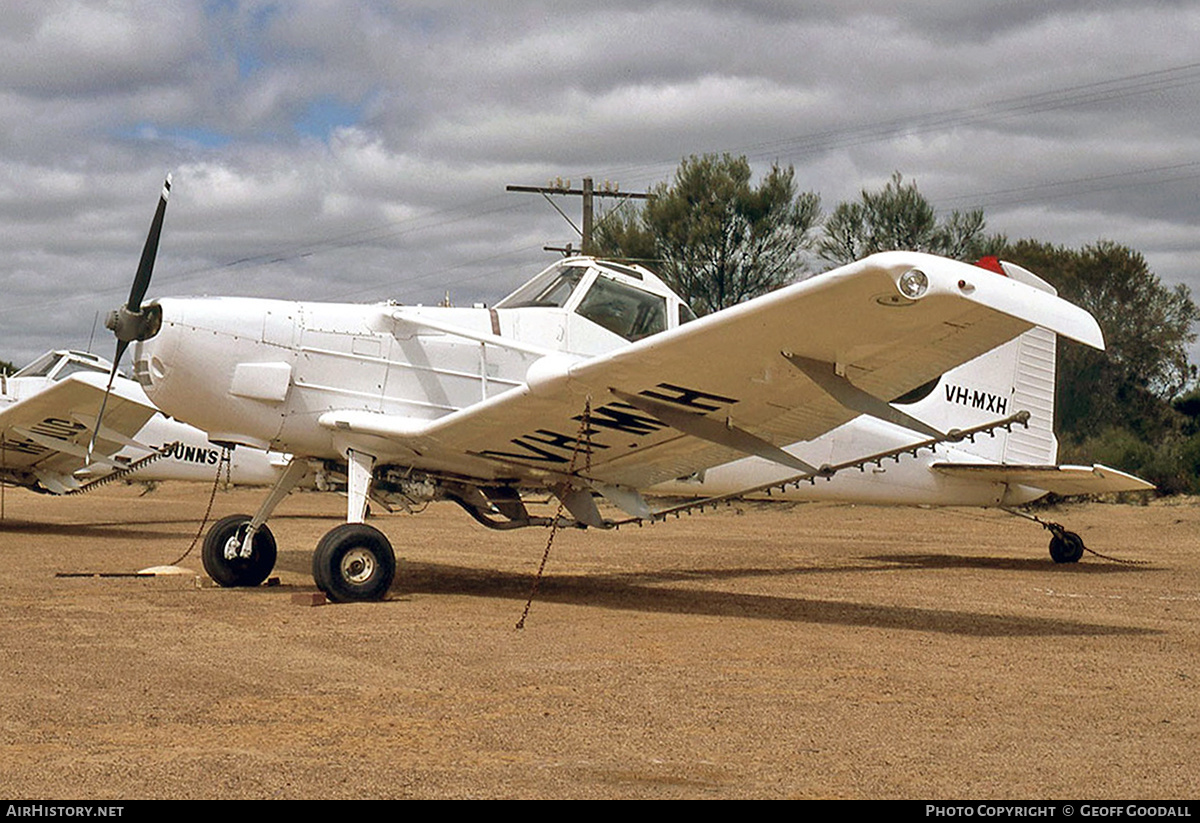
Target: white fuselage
910 480
261 373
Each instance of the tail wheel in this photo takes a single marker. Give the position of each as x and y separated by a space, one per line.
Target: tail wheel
354 562
224 559
1066 547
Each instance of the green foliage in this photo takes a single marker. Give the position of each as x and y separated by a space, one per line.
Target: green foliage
715 238
621 235
900 217
1171 461
1122 406
1189 406
1147 330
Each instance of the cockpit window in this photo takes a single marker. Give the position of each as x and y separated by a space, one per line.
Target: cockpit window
628 271
551 289
624 310
74 366
48 365
40 367
686 315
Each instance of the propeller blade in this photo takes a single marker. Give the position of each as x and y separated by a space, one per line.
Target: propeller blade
141 282
121 346
130 323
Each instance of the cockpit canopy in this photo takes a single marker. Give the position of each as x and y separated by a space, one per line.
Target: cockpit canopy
58 364
629 301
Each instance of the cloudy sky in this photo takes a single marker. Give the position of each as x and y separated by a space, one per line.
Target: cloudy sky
360 150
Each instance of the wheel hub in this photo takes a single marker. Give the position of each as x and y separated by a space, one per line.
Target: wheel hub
358 566
233 547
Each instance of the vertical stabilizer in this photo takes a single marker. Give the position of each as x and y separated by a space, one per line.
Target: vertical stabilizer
1033 390
1017 376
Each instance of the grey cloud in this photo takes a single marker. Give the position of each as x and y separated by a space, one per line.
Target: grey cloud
456 100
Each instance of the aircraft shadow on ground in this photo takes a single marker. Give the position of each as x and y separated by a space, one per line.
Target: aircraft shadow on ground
114 530
645 592
1024 564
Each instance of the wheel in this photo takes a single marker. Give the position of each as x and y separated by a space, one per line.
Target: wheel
1066 547
354 562
238 570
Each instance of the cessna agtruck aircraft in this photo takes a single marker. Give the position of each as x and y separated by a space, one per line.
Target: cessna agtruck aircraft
903 377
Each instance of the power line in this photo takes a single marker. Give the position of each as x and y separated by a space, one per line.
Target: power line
589 192
1103 91
814 143
1020 195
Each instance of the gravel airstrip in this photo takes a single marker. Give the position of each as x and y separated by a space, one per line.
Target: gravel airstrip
761 651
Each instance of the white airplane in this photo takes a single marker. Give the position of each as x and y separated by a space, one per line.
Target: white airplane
48 411
589 381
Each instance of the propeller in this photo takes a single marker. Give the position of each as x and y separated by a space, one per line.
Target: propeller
131 322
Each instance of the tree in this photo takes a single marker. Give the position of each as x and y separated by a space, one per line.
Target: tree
900 217
1123 406
712 236
1147 330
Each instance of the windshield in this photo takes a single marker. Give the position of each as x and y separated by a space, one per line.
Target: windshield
75 362
550 289
40 367
79 366
624 310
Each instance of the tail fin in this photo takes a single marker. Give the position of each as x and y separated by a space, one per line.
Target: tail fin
1017 376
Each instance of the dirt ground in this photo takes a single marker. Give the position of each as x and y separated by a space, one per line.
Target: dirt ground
756 652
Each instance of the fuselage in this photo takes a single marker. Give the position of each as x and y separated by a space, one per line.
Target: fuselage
261 372
908 480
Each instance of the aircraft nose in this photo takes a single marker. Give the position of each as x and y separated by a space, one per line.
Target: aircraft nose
147 369
151 359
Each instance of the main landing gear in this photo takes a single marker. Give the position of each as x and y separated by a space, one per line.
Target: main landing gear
231 560
352 562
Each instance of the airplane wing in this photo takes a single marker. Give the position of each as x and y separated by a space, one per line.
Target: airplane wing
787 366
44 437
1061 480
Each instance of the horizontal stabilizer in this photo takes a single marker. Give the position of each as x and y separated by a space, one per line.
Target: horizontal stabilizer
1061 480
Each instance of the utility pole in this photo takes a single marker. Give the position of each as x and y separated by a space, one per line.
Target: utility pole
589 192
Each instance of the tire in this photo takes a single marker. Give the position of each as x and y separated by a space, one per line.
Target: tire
240 571
1067 548
354 562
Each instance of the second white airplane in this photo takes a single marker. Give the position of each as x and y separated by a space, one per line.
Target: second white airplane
47 414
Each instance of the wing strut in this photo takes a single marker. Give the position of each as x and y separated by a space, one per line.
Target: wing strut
714 431
853 398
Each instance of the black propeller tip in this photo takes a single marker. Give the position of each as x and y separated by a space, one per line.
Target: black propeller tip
141 281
